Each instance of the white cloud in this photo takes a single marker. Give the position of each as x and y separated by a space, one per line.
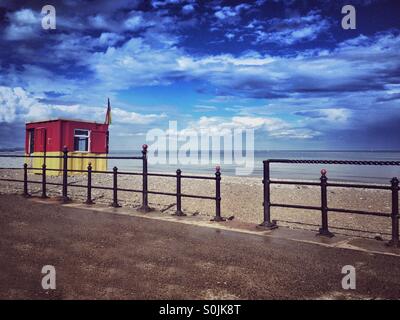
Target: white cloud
126 117
273 127
133 23
292 30
18 105
137 20
230 35
188 8
109 38
24 16
351 67
99 21
223 13
162 3
135 64
24 24
311 74
204 108
348 68
333 115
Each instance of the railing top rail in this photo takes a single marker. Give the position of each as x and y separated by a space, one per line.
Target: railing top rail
347 162
69 156
102 157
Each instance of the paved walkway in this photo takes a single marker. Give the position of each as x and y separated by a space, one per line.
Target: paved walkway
117 256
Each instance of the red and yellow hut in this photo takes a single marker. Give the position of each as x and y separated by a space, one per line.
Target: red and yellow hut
82 138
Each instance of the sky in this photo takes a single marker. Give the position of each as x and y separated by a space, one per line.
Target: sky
286 69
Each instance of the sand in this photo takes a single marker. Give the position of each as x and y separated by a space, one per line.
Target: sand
241 198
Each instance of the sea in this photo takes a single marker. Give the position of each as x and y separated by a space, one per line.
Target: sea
343 173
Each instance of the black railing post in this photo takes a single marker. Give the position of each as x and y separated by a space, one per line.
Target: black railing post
179 212
145 196
324 230
89 185
115 188
395 213
65 176
44 181
218 195
26 194
267 224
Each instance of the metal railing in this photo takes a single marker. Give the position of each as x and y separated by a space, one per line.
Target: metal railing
115 173
324 184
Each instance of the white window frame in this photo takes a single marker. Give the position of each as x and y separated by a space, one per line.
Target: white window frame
83 136
31 133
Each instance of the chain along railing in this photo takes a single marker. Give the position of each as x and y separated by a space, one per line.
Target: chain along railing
324 185
115 173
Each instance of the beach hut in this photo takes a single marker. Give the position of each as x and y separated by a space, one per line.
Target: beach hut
82 138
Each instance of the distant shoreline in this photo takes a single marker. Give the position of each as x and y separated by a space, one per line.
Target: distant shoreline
256 151
11 149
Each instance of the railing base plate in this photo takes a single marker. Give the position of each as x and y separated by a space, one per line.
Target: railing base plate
325 233
145 209
218 219
267 226
179 214
66 200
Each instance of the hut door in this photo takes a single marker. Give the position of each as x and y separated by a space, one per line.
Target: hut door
39 147
40 140
98 142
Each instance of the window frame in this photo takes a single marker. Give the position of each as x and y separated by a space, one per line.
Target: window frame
31 140
83 136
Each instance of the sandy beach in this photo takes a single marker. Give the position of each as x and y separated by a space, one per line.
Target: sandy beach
241 198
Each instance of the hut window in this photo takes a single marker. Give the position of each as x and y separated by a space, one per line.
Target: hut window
81 140
31 133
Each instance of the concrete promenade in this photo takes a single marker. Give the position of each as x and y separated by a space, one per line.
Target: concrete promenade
105 253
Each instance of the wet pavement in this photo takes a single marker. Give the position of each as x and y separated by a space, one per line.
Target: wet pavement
101 255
